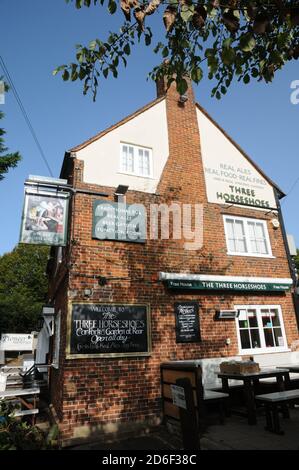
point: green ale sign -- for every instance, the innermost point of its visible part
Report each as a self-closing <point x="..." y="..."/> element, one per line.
<point x="228" y="285"/>
<point x="118" y="221"/>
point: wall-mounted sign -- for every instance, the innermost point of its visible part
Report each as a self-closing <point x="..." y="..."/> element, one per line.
<point x="187" y="322"/>
<point x="119" y="221"/>
<point x="228" y="285"/>
<point x="44" y="220"/>
<point x="16" y="342"/>
<point x="108" y="330"/>
<point x="229" y="175"/>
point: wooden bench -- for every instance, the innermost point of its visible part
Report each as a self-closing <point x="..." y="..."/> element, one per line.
<point x="170" y="373"/>
<point x="210" y="396"/>
<point x="272" y="402"/>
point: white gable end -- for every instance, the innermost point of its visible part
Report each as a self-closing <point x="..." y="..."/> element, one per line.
<point x="229" y="175"/>
<point x="102" y="158"/>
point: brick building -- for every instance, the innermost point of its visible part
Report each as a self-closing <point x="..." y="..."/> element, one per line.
<point x="169" y="152"/>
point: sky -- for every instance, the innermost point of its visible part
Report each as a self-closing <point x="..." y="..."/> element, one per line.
<point x="36" y="36"/>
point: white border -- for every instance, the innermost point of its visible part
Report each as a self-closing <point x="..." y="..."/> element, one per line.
<point x="263" y="349"/>
<point x="247" y="237"/>
<point x="135" y="158"/>
<point x="208" y="277"/>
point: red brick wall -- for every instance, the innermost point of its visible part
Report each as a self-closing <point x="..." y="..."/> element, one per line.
<point x="89" y="392"/>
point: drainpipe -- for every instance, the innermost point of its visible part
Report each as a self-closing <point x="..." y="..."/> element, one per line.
<point x="290" y="260"/>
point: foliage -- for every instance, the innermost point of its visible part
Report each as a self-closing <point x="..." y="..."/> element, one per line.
<point x="7" y="160"/>
<point x="18" y="435"/>
<point x="233" y="39"/>
<point x="23" y="287"/>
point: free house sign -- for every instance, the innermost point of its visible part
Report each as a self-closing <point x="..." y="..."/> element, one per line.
<point x="108" y="330"/>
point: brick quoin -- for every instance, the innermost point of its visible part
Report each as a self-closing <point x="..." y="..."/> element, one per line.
<point x="109" y="395"/>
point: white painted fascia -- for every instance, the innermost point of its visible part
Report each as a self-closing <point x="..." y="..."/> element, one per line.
<point x="208" y="277"/>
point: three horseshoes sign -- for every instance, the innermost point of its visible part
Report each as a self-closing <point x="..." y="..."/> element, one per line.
<point x="108" y="330"/>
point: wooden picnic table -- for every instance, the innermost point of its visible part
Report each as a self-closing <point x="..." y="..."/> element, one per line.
<point x="251" y="382"/>
<point x="292" y="368"/>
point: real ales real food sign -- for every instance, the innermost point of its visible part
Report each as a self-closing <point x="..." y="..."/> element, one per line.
<point x="119" y="221"/>
<point x="229" y="175"/>
<point x="109" y="330"/>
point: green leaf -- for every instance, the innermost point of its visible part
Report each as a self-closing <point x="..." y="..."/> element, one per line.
<point x="246" y="79"/>
<point x="228" y="55"/>
<point x="227" y="42"/>
<point x="58" y="69"/>
<point x="92" y="45"/>
<point x="196" y="74"/>
<point x="209" y="53"/>
<point x="187" y="12"/>
<point x="165" y="52"/>
<point x="82" y="73"/>
<point x="247" y="42"/>
<point x="181" y="86"/>
<point x="65" y="75"/>
<point x="112" y="7"/>
<point x="127" y="49"/>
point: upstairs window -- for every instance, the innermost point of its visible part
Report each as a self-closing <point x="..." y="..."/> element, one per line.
<point x="136" y="160"/>
<point x="247" y="237"/>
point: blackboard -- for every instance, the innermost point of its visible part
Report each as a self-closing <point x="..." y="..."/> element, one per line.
<point x="187" y="322"/>
<point x="109" y="329"/>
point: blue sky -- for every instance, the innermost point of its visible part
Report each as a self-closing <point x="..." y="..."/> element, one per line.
<point x="36" y="36"/>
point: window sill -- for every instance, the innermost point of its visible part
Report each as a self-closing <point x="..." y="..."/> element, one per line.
<point x="135" y="175"/>
<point x="256" y="352"/>
<point x="249" y="255"/>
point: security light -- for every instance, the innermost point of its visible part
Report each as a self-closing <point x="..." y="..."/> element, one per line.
<point x="121" y="190"/>
<point x="183" y="98"/>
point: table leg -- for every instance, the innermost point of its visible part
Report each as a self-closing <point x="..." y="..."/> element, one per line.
<point x="269" y="424"/>
<point x="250" y="401"/>
<point x="281" y="387"/>
<point x="287" y="381"/>
<point x="225" y="387"/>
<point x="276" y="424"/>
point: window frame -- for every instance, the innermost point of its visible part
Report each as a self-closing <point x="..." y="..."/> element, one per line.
<point x="245" y="221"/>
<point x="136" y="171"/>
<point x="263" y="349"/>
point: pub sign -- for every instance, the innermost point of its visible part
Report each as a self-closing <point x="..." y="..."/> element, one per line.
<point x="45" y="217"/>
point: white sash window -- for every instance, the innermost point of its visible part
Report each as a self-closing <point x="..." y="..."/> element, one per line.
<point x="247" y="237"/>
<point x="136" y="160"/>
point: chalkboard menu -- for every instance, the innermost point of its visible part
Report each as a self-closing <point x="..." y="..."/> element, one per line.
<point x="187" y="322"/>
<point x="109" y="330"/>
